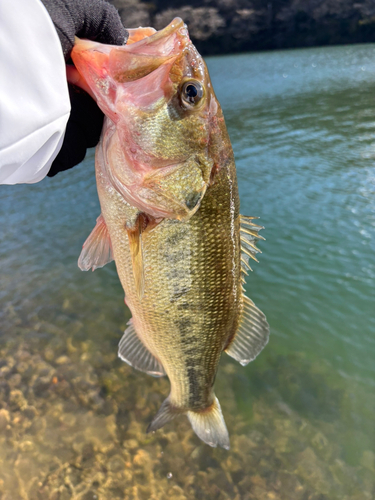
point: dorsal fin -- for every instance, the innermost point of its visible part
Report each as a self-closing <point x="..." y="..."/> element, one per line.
<point x="251" y="336"/>
<point x="249" y="235"/>
<point x="253" y="330"/>
<point x="132" y="350"/>
<point x="97" y="249"/>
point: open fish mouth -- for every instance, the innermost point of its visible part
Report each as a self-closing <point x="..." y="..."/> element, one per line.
<point x="149" y="53"/>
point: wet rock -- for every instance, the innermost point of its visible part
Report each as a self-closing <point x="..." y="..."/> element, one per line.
<point x="90" y="495"/>
<point x="29" y="412"/>
<point x="17" y="400"/>
<point x="109" y="407"/>
<point x="135" y="429"/>
<point x="26" y="469"/>
<point x="288" y="485"/>
<point x="4" y="419"/>
<point x="176" y="493"/>
<point x="87" y="458"/>
<point x="22" y="356"/>
<point x="5" y="371"/>
<point x="68" y="419"/>
<point x="62" y="360"/>
<point x="25" y="369"/>
<point x="38" y="426"/>
<point x="26" y="446"/>
<point x="73" y="476"/>
<point x="312" y="470"/>
<point x="130" y="444"/>
<point x="49" y="354"/>
<point x="142" y="459"/>
<point x="62" y="388"/>
<point x="4" y="390"/>
<point x="256" y="437"/>
<point x="116" y="464"/>
<point x="41" y="386"/>
<point x="15" y="380"/>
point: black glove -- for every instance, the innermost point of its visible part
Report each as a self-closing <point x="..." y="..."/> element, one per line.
<point x="96" y="20"/>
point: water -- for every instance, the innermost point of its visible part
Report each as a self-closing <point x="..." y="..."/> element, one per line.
<point x="302" y="125"/>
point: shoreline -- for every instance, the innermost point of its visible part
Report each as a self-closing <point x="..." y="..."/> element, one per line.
<point x="231" y="26"/>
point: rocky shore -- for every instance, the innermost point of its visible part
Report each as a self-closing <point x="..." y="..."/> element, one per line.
<point x="225" y="26"/>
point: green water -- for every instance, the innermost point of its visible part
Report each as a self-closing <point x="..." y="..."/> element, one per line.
<point x="301" y="416"/>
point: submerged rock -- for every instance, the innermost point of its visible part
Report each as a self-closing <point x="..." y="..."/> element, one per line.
<point x="72" y="429"/>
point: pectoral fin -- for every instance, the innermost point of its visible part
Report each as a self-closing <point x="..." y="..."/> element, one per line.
<point x="252" y="334"/>
<point x="135" y="244"/>
<point x="97" y="249"/>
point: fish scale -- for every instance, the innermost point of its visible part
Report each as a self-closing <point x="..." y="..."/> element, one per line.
<point x="170" y="219"/>
<point x="189" y="278"/>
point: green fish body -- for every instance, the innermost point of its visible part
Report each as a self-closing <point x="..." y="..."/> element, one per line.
<point x="181" y="259"/>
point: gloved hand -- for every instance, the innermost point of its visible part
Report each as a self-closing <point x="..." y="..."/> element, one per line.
<point x="96" y="20"/>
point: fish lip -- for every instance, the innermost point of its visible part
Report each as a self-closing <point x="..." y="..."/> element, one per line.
<point x="177" y="26"/>
<point x="84" y="43"/>
<point x="172" y="27"/>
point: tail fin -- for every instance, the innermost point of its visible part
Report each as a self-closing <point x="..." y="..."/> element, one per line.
<point x="209" y="425"/>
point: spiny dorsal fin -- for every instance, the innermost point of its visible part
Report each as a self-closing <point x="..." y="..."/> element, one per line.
<point x="132" y="350"/>
<point x="252" y="334"/>
<point x="135" y="244"/>
<point x="97" y="249"/>
<point x="249" y="235"/>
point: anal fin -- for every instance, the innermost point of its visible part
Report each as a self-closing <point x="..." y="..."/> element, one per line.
<point x="132" y="350"/>
<point x="97" y="249"/>
<point x="252" y="334"/>
<point x="165" y="414"/>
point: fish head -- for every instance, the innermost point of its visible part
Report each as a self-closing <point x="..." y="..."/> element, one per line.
<point x="157" y="94"/>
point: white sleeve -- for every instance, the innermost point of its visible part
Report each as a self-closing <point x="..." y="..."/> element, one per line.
<point x="34" y="98"/>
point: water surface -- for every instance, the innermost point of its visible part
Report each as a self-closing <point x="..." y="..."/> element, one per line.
<point x="72" y="417"/>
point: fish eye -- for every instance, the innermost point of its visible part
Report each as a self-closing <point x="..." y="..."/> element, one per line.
<point x="191" y="92"/>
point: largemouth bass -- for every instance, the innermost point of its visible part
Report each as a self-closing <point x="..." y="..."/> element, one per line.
<point x="170" y="219"/>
